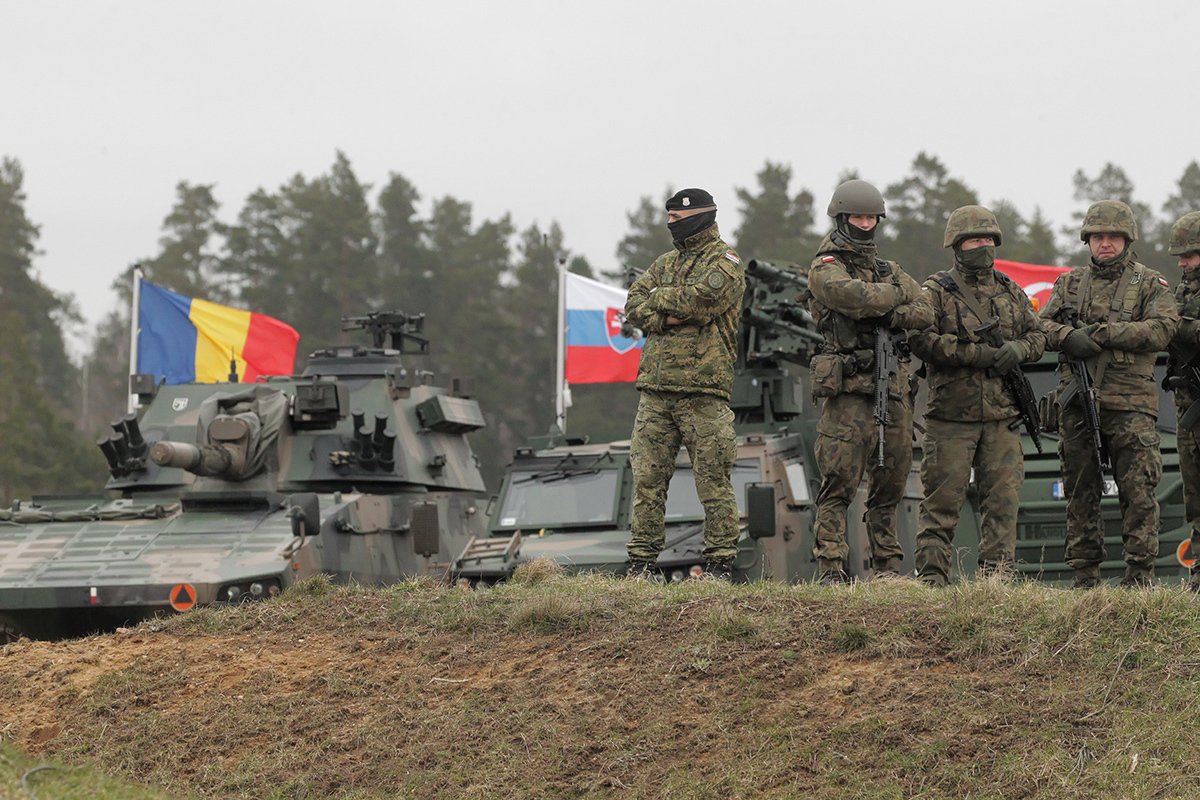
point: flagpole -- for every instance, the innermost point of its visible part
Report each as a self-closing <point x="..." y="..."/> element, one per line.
<point x="134" y="325"/>
<point x="560" y="412"/>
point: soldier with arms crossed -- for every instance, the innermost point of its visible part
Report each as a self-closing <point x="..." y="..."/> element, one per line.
<point x="984" y="327"/>
<point x="689" y="306"/>
<point x="1115" y="315"/>
<point x="854" y="295"/>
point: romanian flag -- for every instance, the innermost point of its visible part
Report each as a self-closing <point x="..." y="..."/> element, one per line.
<point x="1036" y="279"/>
<point x="185" y="340"/>
<point x="596" y="350"/>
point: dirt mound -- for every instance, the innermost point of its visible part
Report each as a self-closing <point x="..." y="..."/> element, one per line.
<point x="589" y="687"/>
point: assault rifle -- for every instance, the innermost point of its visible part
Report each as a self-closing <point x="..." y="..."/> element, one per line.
<point x="1185" y="373"/>
<point x="1085" y="391"/>
<point x="1017" y="386"/>
<point x="887" y="364"/>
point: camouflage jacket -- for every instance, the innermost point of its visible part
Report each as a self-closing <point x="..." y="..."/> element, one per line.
<point x="1186" y="342"/>
<point x="958" y="391"/>
<point x="701" y="283"/>
<point x="1145" y="320"/>
<point x="851" y="290"/>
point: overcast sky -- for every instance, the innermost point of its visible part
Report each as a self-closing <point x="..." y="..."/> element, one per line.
<point x="571" y="111"/>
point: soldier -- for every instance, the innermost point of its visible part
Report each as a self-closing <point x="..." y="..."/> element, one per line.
<point x="688" y="304"/>
<point x="855" y="294"/>
<point x="1185" y="347"/>
<point x="984" y="327"/>
<point x="1115" y="314"/>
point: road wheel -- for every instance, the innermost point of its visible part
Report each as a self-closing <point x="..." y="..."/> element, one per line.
<point x="9" y="632"/>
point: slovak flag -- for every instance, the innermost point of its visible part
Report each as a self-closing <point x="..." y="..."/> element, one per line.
<point x="1036" y="279"/>
<point x="596" y="351"/>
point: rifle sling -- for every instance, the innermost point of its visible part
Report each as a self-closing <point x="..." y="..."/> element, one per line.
<point x="969" y="297"/>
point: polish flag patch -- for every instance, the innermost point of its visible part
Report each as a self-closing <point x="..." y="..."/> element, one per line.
<point x="732" y="256"/>
<point x="827" y="259"/>
<point x="1163" y="281"/>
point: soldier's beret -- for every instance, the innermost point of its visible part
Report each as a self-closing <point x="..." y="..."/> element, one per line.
<point x="686" y="199"/>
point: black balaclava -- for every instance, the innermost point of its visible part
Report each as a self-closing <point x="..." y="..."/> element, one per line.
<point x="976" y="261"/>
<point x="683" y="229"/>
<point x="686" y="200"/>
<point x="853" y="232"/>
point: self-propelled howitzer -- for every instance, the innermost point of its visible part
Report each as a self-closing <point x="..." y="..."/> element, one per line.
<point x="358" y="468"/>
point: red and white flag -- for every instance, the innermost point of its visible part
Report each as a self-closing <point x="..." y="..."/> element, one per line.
<point x="1036" y="279"/>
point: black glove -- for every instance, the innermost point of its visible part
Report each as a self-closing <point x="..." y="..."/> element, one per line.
<point x="1008" y="356"/>
<point x="1079" y="345"/>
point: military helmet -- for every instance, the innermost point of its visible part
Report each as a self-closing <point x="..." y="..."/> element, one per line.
<point x="1109" y="216"/>
<point x="1185" y="235"/>
<point x="856" y="197"/>
<point x="969" y="222"/>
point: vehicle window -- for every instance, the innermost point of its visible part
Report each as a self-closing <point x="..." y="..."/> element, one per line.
<point x="552" y="498"/>
<point x="683" y="503"/>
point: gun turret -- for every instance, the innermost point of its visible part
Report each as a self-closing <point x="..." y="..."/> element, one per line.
<point x="776" y="277"/>
<point x="404" y="330"/>
<point x="224" y="457"/>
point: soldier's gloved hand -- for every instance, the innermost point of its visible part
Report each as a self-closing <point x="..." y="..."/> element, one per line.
<point x="985" y="356"/>
<point x="1008" y="356"/>
<point x="888" y="320"/>
<point x="1079" y="345"/>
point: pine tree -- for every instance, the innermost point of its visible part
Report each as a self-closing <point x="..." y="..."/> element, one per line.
<point x="776" y="226"/>
<point x="917" y="209"/>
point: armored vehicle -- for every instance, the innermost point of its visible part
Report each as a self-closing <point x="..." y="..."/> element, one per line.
<point x="571" y="501"/>
<point x="358" y="468"/>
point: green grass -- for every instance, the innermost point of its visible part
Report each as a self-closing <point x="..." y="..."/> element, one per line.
<point x="554" y="686"/>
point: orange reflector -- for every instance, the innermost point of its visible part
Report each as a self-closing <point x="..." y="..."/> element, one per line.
<point x="183" y="596"/>
<point x="1184" y="554"/>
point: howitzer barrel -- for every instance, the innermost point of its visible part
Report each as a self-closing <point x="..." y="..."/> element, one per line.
<point x="752" y="316"/>
<point x="204" y="460"/>
<point x="767" y="271"/>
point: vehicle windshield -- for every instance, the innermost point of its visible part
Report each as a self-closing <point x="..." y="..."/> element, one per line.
<point x="684" y="504"/>
<point x="549" y="498"/>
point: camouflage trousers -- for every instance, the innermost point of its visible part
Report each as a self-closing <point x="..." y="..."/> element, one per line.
<point x="1189" y="471"/>
<point x="1133" y="443"/>
<point x="847" y="446"/>
<point x="704" y="425"/>
<point x="951" y="449"/>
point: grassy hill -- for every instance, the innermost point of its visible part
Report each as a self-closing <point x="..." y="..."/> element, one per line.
<point x="591" y="687"/>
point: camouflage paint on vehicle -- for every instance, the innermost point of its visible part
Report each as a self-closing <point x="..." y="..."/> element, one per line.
<point x="366" y="475"/>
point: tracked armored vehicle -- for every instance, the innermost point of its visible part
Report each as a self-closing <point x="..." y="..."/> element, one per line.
<point x="571" y="501"/>
<point x="359" y="468"/>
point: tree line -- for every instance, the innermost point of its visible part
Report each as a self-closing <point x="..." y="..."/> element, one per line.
<point x="317" y="248"/>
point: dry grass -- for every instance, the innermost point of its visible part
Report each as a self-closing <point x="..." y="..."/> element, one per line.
<point x="557" y="686"/>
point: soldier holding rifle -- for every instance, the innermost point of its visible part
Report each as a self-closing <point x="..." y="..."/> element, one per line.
<point x="984" y="329"/>
<point x="1113" y="315"/>
<point x="1184" y="372"/>
<point x="860" y="303"/>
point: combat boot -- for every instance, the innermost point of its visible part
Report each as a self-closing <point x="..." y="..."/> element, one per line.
<point x="1136" y="578"/>
<point x="719" y="570"/>
<point x="1088" y="578"/>
<point x="831" y="572"/>
<point x="640" y="569"/>
<point x="996" y="569"/>
<point x="888" y="569"/>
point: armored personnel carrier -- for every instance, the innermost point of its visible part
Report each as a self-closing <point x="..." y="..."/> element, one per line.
<point x="571" y="501"/>
<point x="358" y="468"/>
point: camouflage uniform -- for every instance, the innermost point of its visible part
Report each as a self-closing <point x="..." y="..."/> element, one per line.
<point x="1185" y="240"/>
<point x="685" y="378"/>
<point x="970" y="418"/>
<point x="852" y="293"/>
<point x="1143" y="318"/>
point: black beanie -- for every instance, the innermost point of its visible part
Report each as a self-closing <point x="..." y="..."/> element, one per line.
<point x="687" y="199"/>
